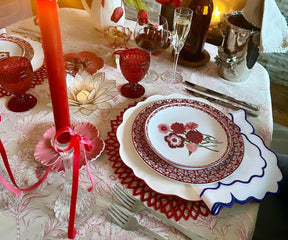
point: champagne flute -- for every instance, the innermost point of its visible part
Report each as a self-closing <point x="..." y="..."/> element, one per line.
<point x="181" y="26"/>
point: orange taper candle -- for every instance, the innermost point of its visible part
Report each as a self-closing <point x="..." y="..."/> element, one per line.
<point x="47" y="13"/>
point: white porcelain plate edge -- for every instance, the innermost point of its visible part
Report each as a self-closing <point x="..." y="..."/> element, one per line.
<point x="38" y="56"/>
<point x="17" y="47"/>
<point x="13" y="48"/>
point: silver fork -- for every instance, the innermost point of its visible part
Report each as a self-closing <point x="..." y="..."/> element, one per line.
<point x="129" y="222"/>
<point x="134" y="205"/>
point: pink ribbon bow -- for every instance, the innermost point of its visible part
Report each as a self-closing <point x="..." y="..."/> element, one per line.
<point x="76" y="141"/>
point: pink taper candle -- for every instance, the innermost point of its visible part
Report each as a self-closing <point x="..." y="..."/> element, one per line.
<point x="52" y="44"/>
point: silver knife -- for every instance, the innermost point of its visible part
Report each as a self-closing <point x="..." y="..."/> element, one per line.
<point x="210" y="91"/>
<point x="221" y="102"/>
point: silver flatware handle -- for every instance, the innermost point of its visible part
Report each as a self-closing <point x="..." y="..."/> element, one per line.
<point x="221" y="102"/>
<point x="147" y="231"/>
<point x="227" y="97"/>
<point x="185" y="231"/>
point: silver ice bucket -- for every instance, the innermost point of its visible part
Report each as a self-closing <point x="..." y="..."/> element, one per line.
<point x="239" y="50"/>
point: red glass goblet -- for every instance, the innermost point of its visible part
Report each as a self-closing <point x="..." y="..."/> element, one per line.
<point x="134" y="64"/>
<point x="16" y="77"/>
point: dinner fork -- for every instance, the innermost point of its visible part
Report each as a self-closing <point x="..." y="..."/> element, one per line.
<point x="129" y="222"/>
<point x="134" y="205"/>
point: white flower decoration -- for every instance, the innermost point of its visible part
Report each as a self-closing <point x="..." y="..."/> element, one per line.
<point x="87" y="92"/>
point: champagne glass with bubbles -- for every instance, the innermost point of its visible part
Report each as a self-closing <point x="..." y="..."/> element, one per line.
<point x="181" y="26"/>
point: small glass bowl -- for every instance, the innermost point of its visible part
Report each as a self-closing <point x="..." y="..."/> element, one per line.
<point x="117" y="36"/>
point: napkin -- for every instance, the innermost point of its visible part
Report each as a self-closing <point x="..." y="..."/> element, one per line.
<point x="266" y="15"/>
<point x="257" y="175"/>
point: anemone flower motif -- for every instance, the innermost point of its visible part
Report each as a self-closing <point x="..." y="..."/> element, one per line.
<point x="178" y="135"/>
<point x="87" y="93"/>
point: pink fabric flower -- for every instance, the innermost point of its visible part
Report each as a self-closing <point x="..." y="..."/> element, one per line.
<point x="46" y="154"/>
<point x="117" y="14"/>
<point x="163" y="128"/>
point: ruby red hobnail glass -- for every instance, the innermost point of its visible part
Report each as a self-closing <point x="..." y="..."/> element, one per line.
<point x="134" y="65"/>
<point x="16" y="75"/>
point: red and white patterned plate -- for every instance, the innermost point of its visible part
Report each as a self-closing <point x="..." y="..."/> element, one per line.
<point x="34" y="52"/>
<point x="130" y="157"/>
<point x="188" y="135"/>
<point x="16" y="47"/>
<point x="196" y="176"/>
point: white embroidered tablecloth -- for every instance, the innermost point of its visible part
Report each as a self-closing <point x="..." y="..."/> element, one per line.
<point x="33" y="216"/>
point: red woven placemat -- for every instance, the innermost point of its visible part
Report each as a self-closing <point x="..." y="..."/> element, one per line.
<point x="38" y="77"/>
<point x="171" y="206"/>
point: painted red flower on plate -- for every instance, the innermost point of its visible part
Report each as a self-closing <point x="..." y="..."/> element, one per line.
<point x="85" y="60"/>
<point x="179" y="135"/>
<point x="46" y="155"/>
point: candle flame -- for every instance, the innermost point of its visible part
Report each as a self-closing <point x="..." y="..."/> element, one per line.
<point x="216" y="15"/>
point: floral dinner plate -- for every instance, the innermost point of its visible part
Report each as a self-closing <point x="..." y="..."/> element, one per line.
<point x="132" y="159"/>
<point x="209" y="174"/>
<point x="188" y="135"/>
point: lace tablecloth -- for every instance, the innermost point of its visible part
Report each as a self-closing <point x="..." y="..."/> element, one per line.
<point x="32" y="217"/>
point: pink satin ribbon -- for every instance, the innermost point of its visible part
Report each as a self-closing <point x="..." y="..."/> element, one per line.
<point x="76" y="142"/>
<point x="17" y="190"/>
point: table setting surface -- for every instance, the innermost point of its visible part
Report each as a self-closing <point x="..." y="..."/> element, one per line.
<point x="222" y="206"/>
